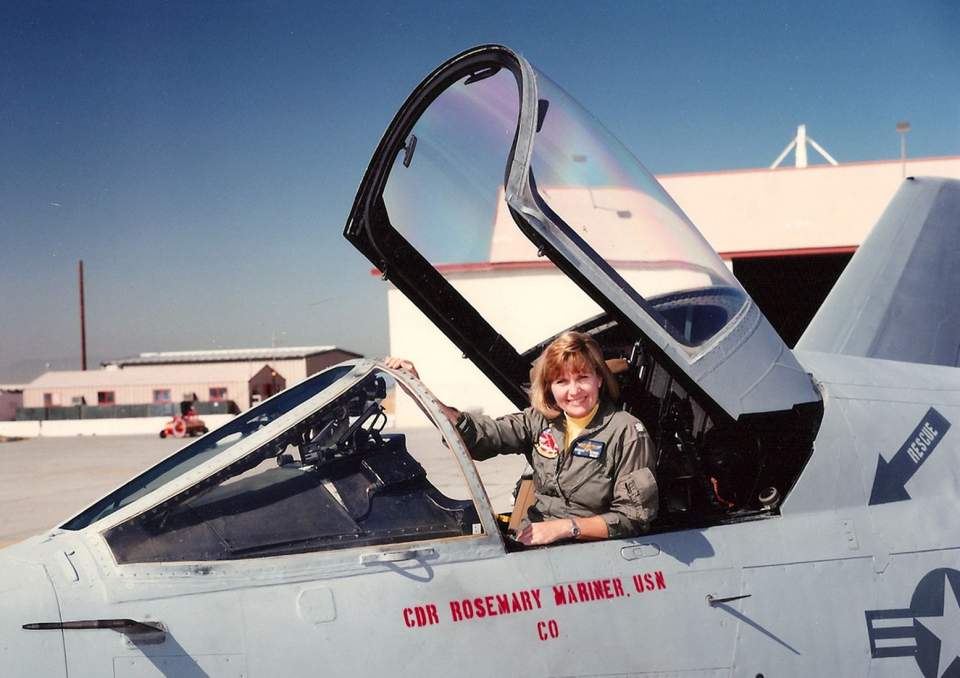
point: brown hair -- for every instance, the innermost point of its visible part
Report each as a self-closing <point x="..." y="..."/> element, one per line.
<point x="571" y="350"/>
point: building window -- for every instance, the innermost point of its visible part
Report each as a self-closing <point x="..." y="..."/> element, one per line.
<point x="105" y="398"/>
<point x="48" y="400"/>
<point x="161" y="395"/>
<point x="218" y="393"/>
<point x="78" y="400"/>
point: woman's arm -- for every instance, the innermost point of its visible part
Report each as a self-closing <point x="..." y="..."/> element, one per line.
<point x="546" y="532"/>
<point x="635" y="496"/>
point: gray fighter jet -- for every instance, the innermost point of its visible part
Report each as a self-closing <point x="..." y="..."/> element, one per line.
<point x="807" y="520"/>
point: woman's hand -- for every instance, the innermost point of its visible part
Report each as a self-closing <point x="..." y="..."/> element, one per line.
<point x="547" y="532"/>
<point x="401" y="364"/>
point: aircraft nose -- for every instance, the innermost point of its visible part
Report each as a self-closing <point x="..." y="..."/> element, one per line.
<point x="27" y="596"/>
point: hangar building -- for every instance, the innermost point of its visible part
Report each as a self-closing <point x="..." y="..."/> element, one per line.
<point x="786" y="233"/>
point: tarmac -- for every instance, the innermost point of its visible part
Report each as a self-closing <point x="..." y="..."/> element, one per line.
<point x="45" y="481"/>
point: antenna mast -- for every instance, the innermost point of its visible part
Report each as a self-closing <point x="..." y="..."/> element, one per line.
<point x="800" y="144"/>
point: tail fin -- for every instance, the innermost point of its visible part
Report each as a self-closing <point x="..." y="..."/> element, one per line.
<point x="899" y="297"/>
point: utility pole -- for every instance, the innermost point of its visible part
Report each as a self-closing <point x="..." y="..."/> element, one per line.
<point x="83" y="323"/>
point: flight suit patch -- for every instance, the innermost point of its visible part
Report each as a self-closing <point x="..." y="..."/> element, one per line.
<point x="591" y="449"/>
<point x="547" y="445"/>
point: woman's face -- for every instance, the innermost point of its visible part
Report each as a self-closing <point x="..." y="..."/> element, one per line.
<point x="576" y="391"/>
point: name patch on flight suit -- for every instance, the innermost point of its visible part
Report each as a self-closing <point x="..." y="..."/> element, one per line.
<point x="592" y="449"/>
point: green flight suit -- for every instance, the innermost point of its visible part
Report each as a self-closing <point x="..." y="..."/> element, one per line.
<point x="607" y="471"/>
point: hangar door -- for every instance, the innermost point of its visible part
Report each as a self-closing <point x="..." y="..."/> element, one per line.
<point x="790" y="288"/>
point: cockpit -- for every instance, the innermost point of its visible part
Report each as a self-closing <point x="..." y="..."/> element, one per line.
<point x="325" y="474"/>
<point x="325" y="467"/>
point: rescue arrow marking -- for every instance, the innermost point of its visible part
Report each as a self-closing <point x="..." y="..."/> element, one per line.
<point x="892" y="476"/>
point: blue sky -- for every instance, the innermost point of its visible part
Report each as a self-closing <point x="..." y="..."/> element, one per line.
<point x="201" y="158"/>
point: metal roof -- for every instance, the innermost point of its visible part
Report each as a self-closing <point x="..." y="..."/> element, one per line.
<point x="115" y="378"/>
<point x="225" y="355"/>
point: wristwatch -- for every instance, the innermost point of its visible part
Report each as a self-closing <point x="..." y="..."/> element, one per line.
<point x="574" y="529"/>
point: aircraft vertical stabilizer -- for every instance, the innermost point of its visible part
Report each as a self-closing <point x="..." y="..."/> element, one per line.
<point x="897" y="298"/>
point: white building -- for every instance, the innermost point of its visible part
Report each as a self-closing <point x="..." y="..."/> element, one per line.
<point x="786" y="233"/>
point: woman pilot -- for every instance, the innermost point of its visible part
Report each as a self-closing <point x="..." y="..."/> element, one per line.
<point x="592" y="463"/>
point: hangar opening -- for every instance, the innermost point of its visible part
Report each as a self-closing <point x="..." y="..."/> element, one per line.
<point x="790" y="288"/>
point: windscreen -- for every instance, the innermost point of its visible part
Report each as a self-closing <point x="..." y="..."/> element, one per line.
<point x="615" y="206"/>
<point x="209" y="446"/>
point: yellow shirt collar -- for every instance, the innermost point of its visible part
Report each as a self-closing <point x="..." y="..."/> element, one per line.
<point x="576" y="425"/>
<point x="581" y="422"/>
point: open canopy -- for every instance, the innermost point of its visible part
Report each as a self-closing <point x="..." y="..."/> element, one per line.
<point x="490" y="161"/>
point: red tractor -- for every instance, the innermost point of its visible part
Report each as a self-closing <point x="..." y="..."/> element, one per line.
<point x="187" y="423"/>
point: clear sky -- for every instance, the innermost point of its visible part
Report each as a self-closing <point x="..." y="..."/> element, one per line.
<point x="201" y="157"/>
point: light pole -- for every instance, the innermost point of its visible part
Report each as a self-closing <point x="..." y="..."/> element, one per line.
<point x="903" y="127"/>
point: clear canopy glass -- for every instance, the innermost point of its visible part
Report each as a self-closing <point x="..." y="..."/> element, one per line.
<point x="446" y="198"/>
<point x="444" y="186"/>
<point x="610" y="201"/>
<point x="445" y="195"/>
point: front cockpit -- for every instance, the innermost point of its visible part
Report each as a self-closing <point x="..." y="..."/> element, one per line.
<point x="321" y="470"/>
